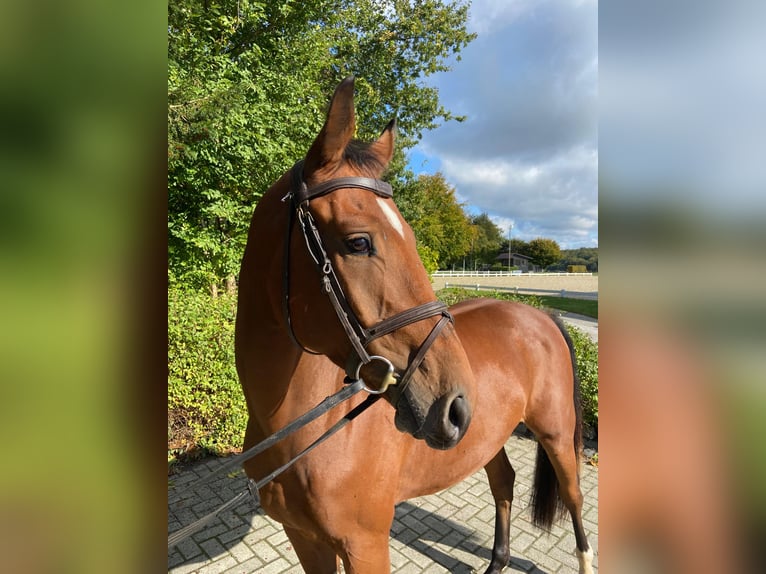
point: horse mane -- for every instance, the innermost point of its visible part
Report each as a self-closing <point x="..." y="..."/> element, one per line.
<point x="359" y="154"/>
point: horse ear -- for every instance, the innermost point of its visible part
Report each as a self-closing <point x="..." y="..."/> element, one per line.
<point x="338" y="129"/>
<point x="383" y="147"/>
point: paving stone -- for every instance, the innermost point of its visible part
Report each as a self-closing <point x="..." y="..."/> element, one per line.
<point x="439" y="524"/>
<point x="241" y="553"/>
<point x="396" y="527"/>
<point x="410" y="568"/>
<point x="247" y="567"/>
<point x="407" y="535"/>
<point x="265" y="551"/>
<point x="212" y="548"/>
<point x="433" y="568"/>
<point x="174" y="559"/>
<point x="398" y="560"/>
<point x="545" y="562"/>
<point x="221" y="565"/>
<point x="210" y="532"/>
<point x="564" y="555"/>
<point x="286" y="551"/>
<point x="451" y="531"/>
<point x="416" y="556"/>
<point x="414" y="524"/>
<point x="279" y="537"/>
<point x="232" y="534"/>
<point x="231" y="519"/>
<point x="279" y="566"/>
<point x="190" y="568"/>
<point x="453" y="539"/>
<point x="189" y="549"/>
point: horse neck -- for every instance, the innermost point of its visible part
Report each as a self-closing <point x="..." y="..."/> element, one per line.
<point x="261" y="270"/>
<point x="264" y="349"/>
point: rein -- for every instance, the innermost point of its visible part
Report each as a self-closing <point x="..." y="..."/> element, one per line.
<point x="359" y="337"/>
<point x="253" y="486"/>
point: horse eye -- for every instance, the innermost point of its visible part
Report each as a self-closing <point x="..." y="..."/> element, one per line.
<point x="358" y="245"/>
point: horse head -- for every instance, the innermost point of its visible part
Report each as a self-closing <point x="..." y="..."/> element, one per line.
<point x="395" y="335"/>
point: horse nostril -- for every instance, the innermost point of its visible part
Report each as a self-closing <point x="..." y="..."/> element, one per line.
<point x="459" y="413"/>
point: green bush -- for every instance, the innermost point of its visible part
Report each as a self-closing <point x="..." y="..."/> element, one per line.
<point x="429" y="257"/>
<point x="454" y="295"/>
<point x="206" y="407"/>
<point x="577" y="269"/>
<point x="587" y="370"/>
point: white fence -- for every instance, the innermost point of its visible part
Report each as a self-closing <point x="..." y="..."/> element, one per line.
<point x="500" y="274"/>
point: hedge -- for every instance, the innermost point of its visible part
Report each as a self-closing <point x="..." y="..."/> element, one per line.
<point x="206" y="407"/>
<point x="587" y="371"/>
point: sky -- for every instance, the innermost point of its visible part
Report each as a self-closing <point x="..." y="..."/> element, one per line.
<point x="528" y="153"/>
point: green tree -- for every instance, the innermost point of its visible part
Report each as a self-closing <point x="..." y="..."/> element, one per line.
<point x="487" y="239"/>
<point x="587" y="256"/>
<point x="544" y="252"/>
<point x="520" y="246"/>
<point x="429" y="205"/>
<point x="248" y="82"/>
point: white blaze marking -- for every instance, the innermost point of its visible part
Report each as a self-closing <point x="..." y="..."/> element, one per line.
<point x="391" y="215"/>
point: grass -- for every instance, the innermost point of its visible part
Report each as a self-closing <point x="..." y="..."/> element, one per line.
<point x="580" y="306"/>
<point x="585" y="307"/>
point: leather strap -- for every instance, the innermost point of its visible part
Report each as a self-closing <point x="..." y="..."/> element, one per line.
<point x="302" y="193"/>
<point x="421" y="354"/>
<point x="405" y="318"/>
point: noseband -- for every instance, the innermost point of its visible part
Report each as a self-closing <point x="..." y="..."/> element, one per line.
<point x="359" y="336"/>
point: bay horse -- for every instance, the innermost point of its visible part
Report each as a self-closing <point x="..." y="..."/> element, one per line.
<point x="343" y="294"/>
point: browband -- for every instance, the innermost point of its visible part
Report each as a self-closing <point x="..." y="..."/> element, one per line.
<point x="301" y="192"/>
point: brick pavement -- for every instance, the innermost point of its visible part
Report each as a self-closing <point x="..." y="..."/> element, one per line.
<point x="451" y="531"/>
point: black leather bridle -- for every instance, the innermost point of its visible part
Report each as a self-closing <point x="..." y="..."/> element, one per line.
<point x="358" y="335"/>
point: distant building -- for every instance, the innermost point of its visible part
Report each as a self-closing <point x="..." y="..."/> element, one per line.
<point x="521" y="262"/>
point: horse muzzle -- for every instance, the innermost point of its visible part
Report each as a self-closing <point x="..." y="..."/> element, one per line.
<point x="441" y="425"/>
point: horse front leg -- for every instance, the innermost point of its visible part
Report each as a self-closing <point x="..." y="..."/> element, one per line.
<point x="316" y="557"/>
<point x="501" y="478"/>
<point x="367" y="553"/>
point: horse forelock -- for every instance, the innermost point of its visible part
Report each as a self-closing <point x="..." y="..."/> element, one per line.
<point x="361" y="156"/>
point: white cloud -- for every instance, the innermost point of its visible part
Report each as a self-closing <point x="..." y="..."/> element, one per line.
<point x="555" y="197"/>
<point x="527" y="151"/>
<point x="494" y="173"/>
<point x="490" y="16"/>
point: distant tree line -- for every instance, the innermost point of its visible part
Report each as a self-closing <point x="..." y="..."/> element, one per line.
<point x="448" y="237"/>
<point x="476" y="242"/>
<point x="586" y="256"/>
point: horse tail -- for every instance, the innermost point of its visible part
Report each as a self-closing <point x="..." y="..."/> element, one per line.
<point x="546" y="502"/>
